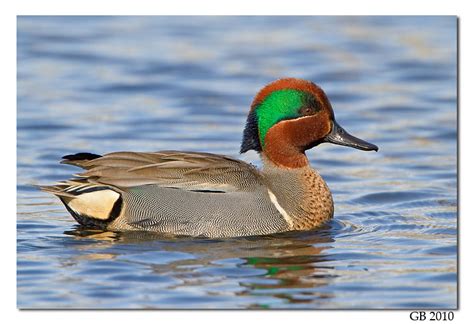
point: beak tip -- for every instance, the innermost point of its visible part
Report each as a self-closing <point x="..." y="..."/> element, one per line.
<point x="373" y="148"/>
<point x="340" y="137"/>
<point x="368" y="147"/>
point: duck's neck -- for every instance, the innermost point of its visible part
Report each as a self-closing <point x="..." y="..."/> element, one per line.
<point x="301" y="192"/>
<point x="283" y="154"/>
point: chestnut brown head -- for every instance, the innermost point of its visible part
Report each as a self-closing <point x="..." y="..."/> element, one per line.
<point x="289" y="116"/>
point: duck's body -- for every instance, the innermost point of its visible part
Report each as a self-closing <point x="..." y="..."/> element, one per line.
<point x="189" y="193"/>
<point x="202" y="194"/>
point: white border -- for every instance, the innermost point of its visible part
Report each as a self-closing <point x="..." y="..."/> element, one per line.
<point x="242" y="7"/>
<point x="141" y="7"/>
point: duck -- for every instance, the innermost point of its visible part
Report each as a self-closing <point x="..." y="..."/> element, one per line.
<point x="183" y="193"/>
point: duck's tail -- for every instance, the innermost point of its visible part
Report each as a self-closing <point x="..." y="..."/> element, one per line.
<point x="91" y="204"/>
<point x="79" y="159"/>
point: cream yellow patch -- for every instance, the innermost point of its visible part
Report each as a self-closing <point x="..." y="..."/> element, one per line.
<point x="96" y="204"/>
<point x="280" y="209"/>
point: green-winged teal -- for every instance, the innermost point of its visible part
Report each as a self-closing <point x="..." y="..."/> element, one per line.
<point x="203" y="194"/>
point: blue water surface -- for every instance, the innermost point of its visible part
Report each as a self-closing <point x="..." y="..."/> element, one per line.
<point x="103" y="84"/>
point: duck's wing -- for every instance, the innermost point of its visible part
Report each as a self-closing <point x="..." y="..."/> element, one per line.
<point x="191" y="171"/>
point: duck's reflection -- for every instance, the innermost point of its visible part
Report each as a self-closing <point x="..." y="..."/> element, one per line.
<point x="292" y="265"/>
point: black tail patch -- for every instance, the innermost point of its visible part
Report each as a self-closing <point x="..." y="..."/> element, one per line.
<point x="81" y="156"/>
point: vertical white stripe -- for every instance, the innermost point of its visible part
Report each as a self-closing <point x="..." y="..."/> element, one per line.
<point x="280" y="209"/>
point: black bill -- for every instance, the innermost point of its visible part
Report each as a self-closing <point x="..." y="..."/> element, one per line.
<point x="339" y="136"/>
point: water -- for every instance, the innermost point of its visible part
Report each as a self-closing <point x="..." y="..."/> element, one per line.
<point x="103" y="84"/>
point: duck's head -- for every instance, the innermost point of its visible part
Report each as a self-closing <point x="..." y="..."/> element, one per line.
<point x="288" y="117"/>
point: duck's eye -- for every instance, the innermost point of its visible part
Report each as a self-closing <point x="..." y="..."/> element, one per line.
<point x="306" y="111"/>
